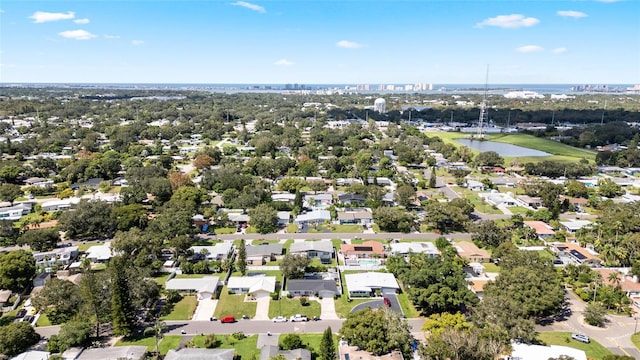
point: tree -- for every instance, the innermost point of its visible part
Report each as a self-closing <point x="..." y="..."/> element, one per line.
<point x="40" y="239"/>
<point x="393" y="219"/>
<point x="489" y="158"/>
<point x="95" y="294"/>
<point x="156" y="331"/>
<point x="91" y="219"/>
<point x="291" y="184"/>
<point x="489" y="234"/>
<point x="191" y="193"/>
<point x="17" y="337"/>
<point x="465" y="344"/>
<point x="122" y="310"/>
<point x="445" y="217"/>
<point x="377" y="331"/>
<point x="73" y="333"/>
<point x="293" y="265"/>
<point x="17" y="269"/>
<point x="327" y="348"/>
<point x="264" y="218"/>
<point x="203" y="161"/>
<point x="59" y="299"/>
<point x="405" y="194"/>
<point x="609" y="189"/>
<point x="129" y="216"/>
<point x="241" y="262"/>
<point x="437" y="323"/>
<point x="291" y="342"/>
<point x="10" y="192"/>
<point x="577" y="189"/>
<point x="594" y="314"/>
<point x="432" y="178"/>
<point x="138" y="247"/>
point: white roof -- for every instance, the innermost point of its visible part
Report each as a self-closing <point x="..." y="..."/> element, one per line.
<point x="253" y="283"/>
<point x="575" y="224"/>
<point x="222" y="248"/>
<point x="114" y="353"/>
<point x="536" y="352"/>
<point x="320" y="245"/>
<point x="314" y="215"/>
<point x="414" y="247"/>
<point x="370" y="280"/>
<point x="32" y="355"/>
<point x="99" y="252"/>
<point x="63" y="202"/>
<point x="203" y="284"/>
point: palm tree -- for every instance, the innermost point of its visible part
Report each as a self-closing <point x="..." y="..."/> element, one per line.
<point x="156" y="330"/>
<point x="614" y="279"/>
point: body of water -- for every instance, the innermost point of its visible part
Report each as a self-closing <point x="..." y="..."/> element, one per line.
<point x="503" y="149"/>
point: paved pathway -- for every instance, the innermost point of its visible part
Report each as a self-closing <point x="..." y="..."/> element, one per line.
<point x="327" y="309"/>
<point x="262" y="308"/>
<point x="205" y="309"/>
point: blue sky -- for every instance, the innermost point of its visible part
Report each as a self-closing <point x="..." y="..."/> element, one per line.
<point x="321" y="42"/>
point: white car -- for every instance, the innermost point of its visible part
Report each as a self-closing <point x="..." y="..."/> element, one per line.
<point x="580" y="337"/>
<point x="279" y="319"/>
<point x="298" y="317"/>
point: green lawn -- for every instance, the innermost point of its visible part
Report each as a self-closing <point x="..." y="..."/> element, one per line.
<point x="292" y="228"/>
<point x="245" y="348"/>
<point x="161" y="278"/>
<point x="190" y="276"/>
<point x="552" y="147"/>
<point x="183" y="309"/>
<point x="313" y="341"/>
<point x="343" y="306"/>
<point x="287" y="307"/>
<point x="225" y="230"/>
<point x="491" y="267"/>
<point x="43" y="320"/>
<point x="593" y="350"/>
<point x="234" y="305"/>
<point x="167" y="343"/>
<point x="407" y="306"/>
<point x="635" y="339"/>
<point x="346" y="228"/>
<point x="519" y="210"/>
<point x="276" y="273"/>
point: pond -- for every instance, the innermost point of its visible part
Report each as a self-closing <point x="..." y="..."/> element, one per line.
<point x="503" y="149"/>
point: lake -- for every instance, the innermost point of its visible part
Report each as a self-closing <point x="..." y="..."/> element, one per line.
<point x="503" y="149"/>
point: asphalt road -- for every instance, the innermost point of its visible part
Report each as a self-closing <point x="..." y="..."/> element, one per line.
<point x="383" y="236"/>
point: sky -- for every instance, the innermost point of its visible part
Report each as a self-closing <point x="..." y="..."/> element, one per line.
<point x="321" y="42"/>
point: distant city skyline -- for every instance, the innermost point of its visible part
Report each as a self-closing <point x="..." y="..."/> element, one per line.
<point x="320" y="42"/>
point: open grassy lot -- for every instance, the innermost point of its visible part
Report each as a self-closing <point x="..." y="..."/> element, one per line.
<point x="245" y="348"/>
<point x="225" y="230"/>
<point x="183" y="309"/>
<point x="43" y="320"/>
<point x="635" y="339"/>
<point x="546" y="145"/>
<point x="167" y="343"/>
<point x="276" y="273"/>
<point x="593" y="350"/>
<point x="344" y="306"/>
<point x="287" y="307"/>
<point x="407" y="306"/>
<point x="161" y="278"/>
<point x="313" y="342"/>
<point x="346" y="228"/>
<point x="491" y="267"/>
<point x="477" y="202"/>
<point x="234" y="305"/>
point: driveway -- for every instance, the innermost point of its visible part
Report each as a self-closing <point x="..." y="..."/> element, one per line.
<point x="328" y="309"/>
<point x="379" y="303"/>
<point x="262" y="308"/>
<point x="205" y="309"/>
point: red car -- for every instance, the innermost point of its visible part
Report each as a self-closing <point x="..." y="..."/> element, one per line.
<point x="386" y="302"/>
<point x="228" y="319"/>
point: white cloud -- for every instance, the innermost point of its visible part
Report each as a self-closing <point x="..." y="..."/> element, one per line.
<point x="137" y="42"/>
<point x="512" y="21"/>
<point x="348" y="44"/>
<point x="43" y="16"/>
<point x="572" y="13"/>
<point x="81" y="21"/>
<point x="560" y="50"/>
<point x="529" y="49"/>
<point x="250" y="6"/>
<point x="77" y="34"/>
<point x="112" y="36"/>
<point x="284" y="62"/>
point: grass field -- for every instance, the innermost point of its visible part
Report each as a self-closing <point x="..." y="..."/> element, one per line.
<point x="183" y="309"/>
<point x="491" y="267"/>
<point x="167" y="343"/>
<point x="287" y="307"/>
<point x="43" y="320"/>
<point x="343" y="306"/>
<point x="245" y="348"/>
<point x="593" y="350"/>
<point x="407" y="306"/>
<point x="635" y="339"/>
<point x="234" y="305"/>
<point x="346" y="228"/>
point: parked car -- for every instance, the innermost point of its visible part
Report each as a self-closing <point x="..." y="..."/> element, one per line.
<point x="28" y="318"/>
<point x="581" y="338"/>
<point x="279" y="319"/>
<point x="298" y="317"/>
<point x="227" y="319"/>
<point x="386" y="301"/>
<point x="21" y="313"/>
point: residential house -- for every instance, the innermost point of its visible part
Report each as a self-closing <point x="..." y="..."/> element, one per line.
<point x="257" y="285"/>
<point x="38" y="181"/>
<point x="270" y="351"/>
<point x="200" y="354"/>
<point x="355" y="216"/>
<point x="58" y="256"/>
<point x="131" y="352"/>
<point x="15" y="212"/>
<point x="62" y="204"/>
<point x="475" y="185"/>
<point x="347" y="181"/>
<point x="263" y="253"/>
<point x="529" y="201"/>
<point x="204" y="287"/>
<point x="91" y="183"/>
<point x="283" y="197"/>
<point x="572" y="226"/>
<point x="576" y="254"/>
<point x="578" y="203"/>
<point x="312" y="287"/>
<point x="346" y="352"/>
<point x="32" y="355"/>
<point x="477" y="286"/>
<point x="471" y="252"/>
<point x="284" y="218"/>
<point x="628" y="284"/>
<point x="5" y="295"/>
<point x="371" y="284"/>
<point x="406" y="248"/>
<point x="367" y="250"/>
<point x="521" y="351"/>
<point x="351" y="199"/>
<point x="543" y="230"/>
<point x="41" y="279"/>
<point x="99" y="253"/>
<point x="313" y="217"/>
<point x="217" y="252"/>
<point x="318" y="201"/>
<point x="495" y="198"/>
<point x="322" y="249"/>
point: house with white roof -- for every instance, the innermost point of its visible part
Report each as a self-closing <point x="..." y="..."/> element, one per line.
<point x="318" y="201"/>
<point x="574" y="225"/>
<point x="498" y="199"/>
<point x="62" y="204"/>
<point x="57" y="256"/>
<point x="313" y="217"/>
<point x="257" y="285"/>
<point x="204" y="287"/>
<point x="536" y="352"/>
<point x="15" y="212"/>
<point x="369" y="283"/>
<point x="99" y="253"/>
<point x="406" y="248"/>
<point x="217" y="252"/>
<point x="321" y="249"/>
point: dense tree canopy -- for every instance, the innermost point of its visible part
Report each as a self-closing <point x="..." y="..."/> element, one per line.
<point x="377" y="331"/>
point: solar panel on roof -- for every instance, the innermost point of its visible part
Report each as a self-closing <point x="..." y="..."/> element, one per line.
<point x="577" y="254"/>
<point x="362" y="248"/>
<point x="562" y="248"/>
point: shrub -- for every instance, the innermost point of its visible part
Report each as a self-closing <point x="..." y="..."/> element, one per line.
<point x="304" y="301"/>
<point x="210" y="341"/>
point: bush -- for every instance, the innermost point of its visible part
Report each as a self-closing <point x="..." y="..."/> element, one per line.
<point x="238" y="335"/>
<point x="304" y="301"/>
<point x="210" y="341"/>
<point x="594" y="314"/>
<point x="173" y="296"/>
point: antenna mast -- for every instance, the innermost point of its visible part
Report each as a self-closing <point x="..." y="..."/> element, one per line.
<point x="483" y="107"/>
